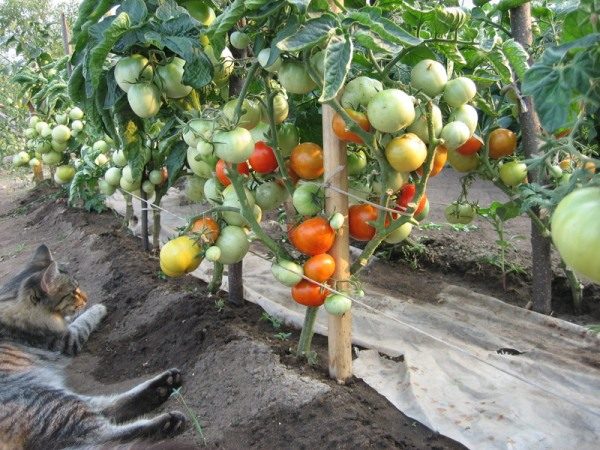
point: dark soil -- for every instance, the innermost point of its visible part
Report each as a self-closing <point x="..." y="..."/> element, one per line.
<point x="243" y="383"/>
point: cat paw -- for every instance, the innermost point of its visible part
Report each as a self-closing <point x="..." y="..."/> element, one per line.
<point x="160" y="388"/>
<point x="172" y="424"/>
<point x="100" y="310"/>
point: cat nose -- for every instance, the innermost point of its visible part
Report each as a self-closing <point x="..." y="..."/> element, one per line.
<point x="80" y="298"/>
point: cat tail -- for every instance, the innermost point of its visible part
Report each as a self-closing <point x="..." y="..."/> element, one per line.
<point x="140" y="445"/>
<point x="80" y="329"/>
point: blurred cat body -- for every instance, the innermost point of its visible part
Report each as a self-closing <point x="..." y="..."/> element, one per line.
<point x="37" y="410"/>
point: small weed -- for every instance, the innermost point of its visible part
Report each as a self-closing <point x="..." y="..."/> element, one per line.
<point x="220" y="304"/>
<point x="506" y="266"/>
<point x="312" y="358"/>
<point x="431" y="226"/>
<point x="594" y="328"/>
<point x="193" y="417"/>
<point x="161" y="275"/>
<point x="274" y="321"/>
<point x="462" y="227"/>
<point x="282" y="336"/>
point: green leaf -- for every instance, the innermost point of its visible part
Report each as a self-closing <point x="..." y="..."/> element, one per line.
<point x="198" y="70"/>
<point x="228" y="18"/>
<point x="373" y="42"/>
<point x="517" y="57"/>
<point x="500" y="63"/>
<point x="98" y="54"/>
<point x="135" y="9"/>
<point x="338" y="58"/>
<point x="113" y="92"/>
<point x="90" y="11"/>
<point x="452" y="52"/>
<point x="175" y="162"/>
<point x="76" y="86"/>
<point x="310" y="34"/>
<point x="300" y="4"/>
<point x="169" y="10"/>
<point x="386" y="29"/>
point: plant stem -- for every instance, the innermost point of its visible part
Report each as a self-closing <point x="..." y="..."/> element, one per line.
<point x="156" y="230"/>
<point x="308" y="330"/>
<point x="128" y="210"/>
<point x="217" y="278"/>
<point x="576" y="288"/>
<point x="244" y="91"/>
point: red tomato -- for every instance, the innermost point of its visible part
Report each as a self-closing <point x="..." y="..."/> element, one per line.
<point x="313" y="236"/>
<point x="439" y="161"/>
<point x="309" y="294"/>
<point x="407" y="193"/>
<point x="208" y="229"/>
<point x="220" y="170"/>
<point x="472" y="146"/>
<point x="341" y="131"/>
<point x="319" y="267"/>
<point x="359" y="217"/>
<point x="263" y="158"/>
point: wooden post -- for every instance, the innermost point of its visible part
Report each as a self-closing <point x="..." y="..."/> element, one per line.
<point x="66" y="40"/>
<point x="541" y="264"/>
<point x="144" y="218"/>
<point x="336" y="173"/>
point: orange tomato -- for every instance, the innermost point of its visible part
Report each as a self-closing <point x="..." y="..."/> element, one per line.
<point x="306" y="160"/>
<point x="312" y="236"/>
<point x="341" y="131"/>
<point x="309" y="294"/>
<point x="472" y="146"/>
<point x="207" y="228"/>
<point x="501" y="142"/>
<point x="319" y="267"/>
<point x="359" y="217"/>
<point x="439" y="161"/>
<point x="220" y="171"/>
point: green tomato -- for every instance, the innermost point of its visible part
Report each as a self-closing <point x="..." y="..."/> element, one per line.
<point x="337" y="305"/>
<point x="294" y="78"/>
<point x="357" y="162"/>
<point x="287" y="272"/>
<point x="33" y="121"/>
<point x="223" y="66"/>
<point x="155" y="177"/>
<point x="61" y="119"/>
<point x="269" y="195"/>
<point x="260" y="132"/>
<point x="194" y="188"/>
<point x="420" y="126"/>
<point x="399" y="234"/>
<point x="429" y="76"/>
<point x="308" y="198"/>
<point x="106" y="188"/>
<point x="113" y="176"/>
<point x="34" y="162"/>
<point x="61" y="133"/>
<point x="212" y="191"/>
<point x="197" y="130"/>
<point x="43" y="147"/>
<point x="119" y="158"/>
<point x="128" y="71"/>
<point x="30" y="133"/>
<point x="455" y="134"/>
<point x="204" y="148"/>
<point x="76" y="126"/>
<point x="462" y="213"/>
<point x="213" y="253"/>
<point x="230" y="199"/>
<point x="200" y="11"/>
<point x="169" y="79"/>
<point x="128" y="185"/>
<point x="58" y="146"/>
<point x="100" y="146"/>
<point x="21" y="159"/>
<point x="459" y="91"/>
<point x="513" y="173"/>
<point x="337" y="221"/>
<point x="101" y="160"/>
<point x="359" y="92"/>
<point x="200" y="167"/>
<point x="556" y="171"/>
<point x="52" y="158"/>
<point x="575" y="231"/>
<point x="281" y="108"/>
<point x="64" y="174"/>
<point x="127" y="174"/>
<point x="144" y="99"/>
<point x="233" y="244"/>
<point x="148" y="187"/>
<point x="467" y="115"/>
<point x="263" y="60"/>
<point x="250" y="113"/>
<point x="233" y="146"/>
<point x="287" y="138"/>
<point x="391" y="110"/>
<point x="239" y="40"/>
<point x="76" y="113"/>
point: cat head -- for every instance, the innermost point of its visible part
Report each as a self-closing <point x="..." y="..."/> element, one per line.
<point x="50" y="287"/>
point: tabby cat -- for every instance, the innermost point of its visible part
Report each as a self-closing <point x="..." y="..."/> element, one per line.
<point x="37" y="410"/>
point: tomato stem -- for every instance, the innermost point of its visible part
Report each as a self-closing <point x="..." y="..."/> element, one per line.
<point x="308" y="330"/>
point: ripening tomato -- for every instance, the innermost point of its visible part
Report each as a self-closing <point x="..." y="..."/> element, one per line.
<point x="309" y="294"/>
<point x="360" y="218"/>
<point x="341" y="130"/>
<point x="313" y="236"/>
<point x="406" y="153"/>
<point x="319" y="268"/>
<point x="462" y="163"/>
<point x="501" y="142"/>
<point x="472" y="146"/>
<point x="207" y="228"/>
<point x="439" y="161"/>
<point x="242" y="168"/>
<point x="307" y="160"/>
<point x="263" y="158"/>
<point x="406" y="196"/>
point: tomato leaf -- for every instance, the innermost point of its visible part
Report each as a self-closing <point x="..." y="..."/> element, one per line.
<point x="386" y="29"/>
<point x="373" y="42"/>
<point x="310" y="34"/>
<point x="300" y="4"/>
<point x="338" y="58"/>
<point x="135" y="9"/>
<point x="501" y="64"/>
<point x="228" y="18"/>
<point x="175" y="161"/>
<point x="517" y="57"/>
<point x="198" y="70"/>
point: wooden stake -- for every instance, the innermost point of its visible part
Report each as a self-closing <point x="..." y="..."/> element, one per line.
<point x="340" y="328"/>
<point x="66" y="40"/>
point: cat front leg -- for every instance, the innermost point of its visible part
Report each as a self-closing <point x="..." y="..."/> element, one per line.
<point x="78" y="332"/>
<point x="164" y="426"/>
<point x="140" y="400"/>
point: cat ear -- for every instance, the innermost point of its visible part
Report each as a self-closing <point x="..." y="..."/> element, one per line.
<point x="50" y="278"/>
<point x="42" y="257"/>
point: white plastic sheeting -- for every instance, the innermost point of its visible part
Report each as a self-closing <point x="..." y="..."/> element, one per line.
<point x="452" y="378"/>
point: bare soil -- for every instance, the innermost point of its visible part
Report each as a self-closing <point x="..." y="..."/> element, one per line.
<point x="241" y="381"/>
